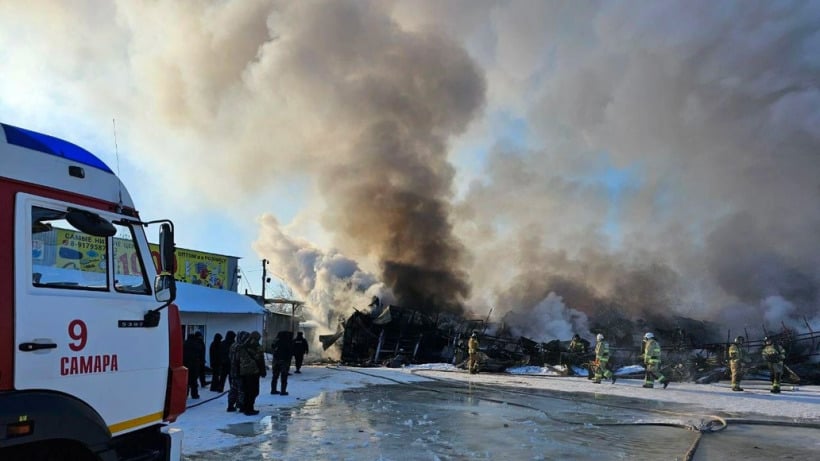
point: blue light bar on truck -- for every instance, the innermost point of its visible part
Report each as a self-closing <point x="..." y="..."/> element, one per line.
<point x="51" y="145"/>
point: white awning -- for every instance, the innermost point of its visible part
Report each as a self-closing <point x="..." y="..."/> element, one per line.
<point x="196" y="298"/>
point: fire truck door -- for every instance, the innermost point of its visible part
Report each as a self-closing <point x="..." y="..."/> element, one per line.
<point x="77" y="316"/>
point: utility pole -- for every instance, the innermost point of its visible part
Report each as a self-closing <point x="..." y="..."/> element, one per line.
<point x="264" y="278"/>
<point x="293" y="306"/>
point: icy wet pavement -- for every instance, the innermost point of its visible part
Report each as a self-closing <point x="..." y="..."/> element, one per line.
<point x="453" y="421"/>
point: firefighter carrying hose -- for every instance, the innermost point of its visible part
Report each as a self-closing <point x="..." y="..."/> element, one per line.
<point x="652" y="362"/>
<point x="737" y="360"/>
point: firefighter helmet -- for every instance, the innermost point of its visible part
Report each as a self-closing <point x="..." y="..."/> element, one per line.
<point x="740" y="339"/>
<point x="767" y="340"/>
<point x="600" y="337"/>
<point x="474" y="335"/>
<point x="648" y="335"/>
<point x="576" y="336"/>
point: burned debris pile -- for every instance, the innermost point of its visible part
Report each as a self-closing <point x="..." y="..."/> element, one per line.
<point x="394" y="336"/>
<point x="381" y="335"/>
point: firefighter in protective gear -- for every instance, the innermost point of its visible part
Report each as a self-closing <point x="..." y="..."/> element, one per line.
<point x="774" y="355"/>
<point x="575" y="353"/>
<point x="602" y="360"/>
<point x="652" y="362"/>
<point x="576" y="346"/>
<point x="737" y="360"/>
<point x="472" y="350"/>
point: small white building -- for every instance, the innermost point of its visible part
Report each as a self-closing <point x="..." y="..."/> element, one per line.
<point x="212" y="311"/>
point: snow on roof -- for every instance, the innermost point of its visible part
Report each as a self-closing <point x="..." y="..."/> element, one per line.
<point x="197" y="298"/>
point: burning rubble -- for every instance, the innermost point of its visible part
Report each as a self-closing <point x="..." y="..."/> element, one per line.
<point x="395" y="335"/>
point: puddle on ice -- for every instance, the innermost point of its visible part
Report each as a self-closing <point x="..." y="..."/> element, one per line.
<point x="440" y="421"/>
<point x="271" y="425"/>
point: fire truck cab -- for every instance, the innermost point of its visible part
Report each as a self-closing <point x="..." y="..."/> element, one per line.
<point x="90" y="342"/>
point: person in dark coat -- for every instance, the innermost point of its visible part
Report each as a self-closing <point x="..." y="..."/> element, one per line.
<point x="282" y="353"/>
<point x="193" y="357"/>
<point x="251" y="368"/>
<point x="300" y="348"/>
<point x="225" y="359"/>
<point x="236" y="397"/>
<point x="202" y="380"/>
<point x="216" y="362"/>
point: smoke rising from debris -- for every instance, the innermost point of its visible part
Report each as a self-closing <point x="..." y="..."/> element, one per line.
<point x="672" y="167"/>
<point x="387" y="186"/>
<point x="330" y="283"/>
<point x="545" y="160"/>
<point x="549" y="318"/>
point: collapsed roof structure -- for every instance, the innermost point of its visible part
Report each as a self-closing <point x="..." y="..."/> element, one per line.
<point x="396" y="335"/>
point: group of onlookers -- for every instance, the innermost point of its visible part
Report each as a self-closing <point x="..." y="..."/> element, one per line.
<point x="239" y="360"/>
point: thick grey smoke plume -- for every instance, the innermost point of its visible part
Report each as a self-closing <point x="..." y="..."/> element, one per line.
<point x="394" y="99"/>
<point x="387" y="183"/>
<point x="597" y="159"/>
<point x="672" y="166"/>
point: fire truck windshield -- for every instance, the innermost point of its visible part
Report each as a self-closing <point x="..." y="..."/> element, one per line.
<point x="67" y="256"/>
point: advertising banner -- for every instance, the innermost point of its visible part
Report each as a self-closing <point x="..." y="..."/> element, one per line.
<point x="198" y="268"/>
<point x="75" y="250"/>
<point x="80" y="251"/>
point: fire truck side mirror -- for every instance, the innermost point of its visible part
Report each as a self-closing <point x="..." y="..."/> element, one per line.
<point x="165" y="288"/>
<point x="166" y="248"/>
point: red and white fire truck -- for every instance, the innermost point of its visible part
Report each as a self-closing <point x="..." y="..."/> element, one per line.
<point x="90" y="342"/>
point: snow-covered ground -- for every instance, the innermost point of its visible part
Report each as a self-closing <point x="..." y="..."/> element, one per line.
<point x="205" y="422"/>
<point x="204" y="418"/>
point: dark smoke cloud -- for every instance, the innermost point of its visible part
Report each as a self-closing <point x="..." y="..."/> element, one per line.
<point x="402" y="96"/>
<point x="394" y="100"/>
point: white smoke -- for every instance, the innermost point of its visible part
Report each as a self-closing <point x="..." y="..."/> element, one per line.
<point x="776" y="310"/>
<point x="547" y="320"/>
<point x="331" y="284"/>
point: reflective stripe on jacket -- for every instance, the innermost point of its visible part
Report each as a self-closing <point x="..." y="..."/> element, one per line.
<point x="652" y="352"/>
<point x="736" y="353"/>
<point x="773" y="353"/>
<point x="602" y="350"/>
